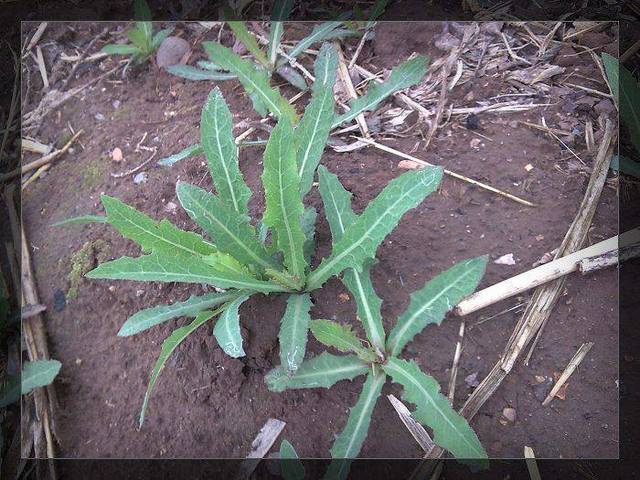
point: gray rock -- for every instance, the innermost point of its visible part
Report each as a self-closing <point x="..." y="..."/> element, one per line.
<point x="171" y="51"/>
<point x="140" y="178"/>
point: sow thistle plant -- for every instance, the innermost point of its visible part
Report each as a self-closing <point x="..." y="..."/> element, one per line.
<point x="273" y="256"/>
<point x="379" y="356"/>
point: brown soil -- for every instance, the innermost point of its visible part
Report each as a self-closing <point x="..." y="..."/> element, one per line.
<point x="209" y="405"/>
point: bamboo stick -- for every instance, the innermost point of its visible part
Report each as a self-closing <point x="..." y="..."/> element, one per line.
<point x="447" y="172"/>
<point x="568" y="371"/>
<point x="543" y="274"/>
<point x="456" y="362"/>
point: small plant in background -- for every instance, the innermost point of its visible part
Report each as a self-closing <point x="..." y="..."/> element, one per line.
<point x="39" y="373"/>
<point x="379" y="355"/>
<point x="274" y="255"/>
<point x="143" y="41"/>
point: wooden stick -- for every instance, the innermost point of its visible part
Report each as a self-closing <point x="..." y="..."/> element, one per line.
<point x="456" y="362"/>
<point x="447" y="172"/>
<point x="343" y="71"/>
<point x="36" y="37"/>
<point x="35" y="176"/>
<point x="260" y="447"/>
<point x="539" y="275"/>
<point x="532" y="466"/>
<point x="41" y="161"/>
<point x="568" y="371"/>
<point x="42" y="67"/>
<point x="416" y="430"/>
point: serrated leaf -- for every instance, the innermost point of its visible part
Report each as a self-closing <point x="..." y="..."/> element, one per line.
<point x="193" y="73"/>
<point x="284" y="206"/>
<point x="435" y="299"/>
<point x="308" y="224"/>
<point x="190" y="151"/>
<point x="151" y="235"/>
<point x="337" y="205"/>
<point x="630" y="105"/>
<point x="81" y="219"/>
<point x="150" y="317"/>
<point x="227" y="329"/>
<point x="165" y="268"/>
<point x="243" y="35"/>
<point x="292" y="76"/>
<point x="256" y="82"/>
<point x="290" y="465"/>
<point x="341" y="337"/>
<point x="314" y="128"/>
<point x="207" y="65"/>
<point x="360" y="240"/>
<point x="117" y="49"/>
<point x="450" y="430"/>
<point x="321" y="371"/>
<point x="159" y="37"/>
<point x="138" y="38"/>
<point x="321" y="32"/>
<point x="403" y="76"/>
<point x="293" y="331"/>
<point x="216" y="138"/>
<point x="349" y="442"/>
<point x="168" y="346"/>
<point x="39" y="373"/>
<point x="230" y="229"/>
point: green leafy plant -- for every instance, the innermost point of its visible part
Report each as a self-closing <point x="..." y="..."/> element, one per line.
<point x="39" y="373"/>
<point x="379" y="356"/>
<point x="143" y="41"/>
<point x="269" y="257"/>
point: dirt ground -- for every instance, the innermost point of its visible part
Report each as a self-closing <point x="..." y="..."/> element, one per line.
<point x="206" y="404"/>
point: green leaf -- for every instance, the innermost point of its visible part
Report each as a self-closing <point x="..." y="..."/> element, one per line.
<point x="190" y="151"/>
<point x="138" y="38"/>
<point x="292" y="76"/>
<point x="39" y="373"/>
<point x="630" y="105"/>
<point x="159" y="37"/>
<point x="377" y="10"/>
<point x="168" y="346"/>
<point x="290" y="466"/>
<point x="612" y="69"/>
<point x="625" y="165"/>
<point x="284" y="206"/>
<point x="321" y="371"/>
<point x="216" y="138"/>
<point x="117" y="49"/>
<point x="308" y="224"/>
<point x="403" y="76"/>
<point x="361" y="239"/>
<point x="243" y="35"/>
<point x="151" y="235"/>
<point x="293" y="331"/>
<point x="81" y="219"/>
<point x="207" y="65"/>
<point x="281" y="10"/>
<point x="227" y="329"/>
<point x="167" y="268"/>
<point x="141" y="10"/>
<point x="314" y="128"/>
<point x="350" y="440"/>
<point x="337" y="203"/>
<point x="10" y="392"/>
<point x="321" y="32"/>
<point x="150" y="317"/>
<point x="435" y="299"/>
<point x="256" y="82"/>
<point x="229" y="229"/>
<point x="193" y="73"/>
<point x="450" y="430"/>
<point x="341" y="337"/>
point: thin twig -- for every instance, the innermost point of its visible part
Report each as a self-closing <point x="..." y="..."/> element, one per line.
<point x="447" y="172"/>
<point x="568" y="371"/>
<point x="456" y="363"/>
<point x="135" y="169"/>
<point x="82" y="57"/>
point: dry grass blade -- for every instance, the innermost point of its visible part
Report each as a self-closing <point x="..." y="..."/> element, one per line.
<point x="260" y="446"/>
<point x="456" y="363"/>
<point x="568" y="371"/>
<point x="343" y="72"/>
<point x="36" y="37"/>
<point x="447" y="172"/>
<point x="532" y="466"/>
<point x="42" y="68"/>
<point x="416" y="430"/>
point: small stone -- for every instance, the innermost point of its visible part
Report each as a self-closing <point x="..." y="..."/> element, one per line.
<point x="100" y="117"/>
<point x="528" y="167"/>
<point x="171" y="207"/>
<point x="472" y="122"/>
<point x="343" y="297"/>
<point x="112" y="288"/>
<point x="539" y="237"/>
<point x="172" y="51"/>
<point x="140" y="178"/>
<point x="505" y="260"/>
<point x="509" y="414"/>
<point x="139" y="293"/>
<point x="475" y="143"/>
<point x="408" y="165"/>
<point x="78" y="361"/>
<point x="116" y="155"/>
<point x="116" y="104"/>
<point x="540" y="378"/>
<point x="472" y="380"/>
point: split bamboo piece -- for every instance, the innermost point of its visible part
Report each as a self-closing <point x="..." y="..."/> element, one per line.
<point x="568" y="371"/>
